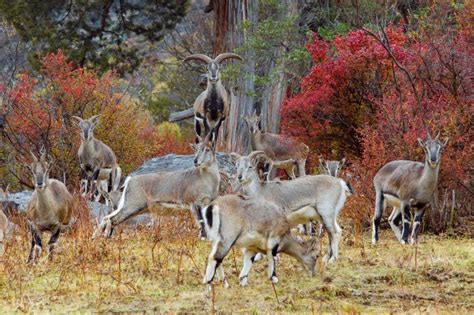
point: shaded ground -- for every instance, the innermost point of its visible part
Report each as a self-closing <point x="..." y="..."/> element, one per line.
<point x="145" y="270"/>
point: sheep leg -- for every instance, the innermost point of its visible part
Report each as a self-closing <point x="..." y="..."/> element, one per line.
<point x="196" y="211"/>
<point x="379" y="207"/>
<point x="334" y="235"/>
<point x="221" y="275"/>
<point x="393" y="220"/>
<point x="52" y="241"/>
<point x="216" y="128"/>
<point x="272" y="250"/>
<point x="249" y="258"/>
<point x="417" y="224"/>
<point x="36" y="246"/>
<point x="84" y="182"/>
<point x="405" y="208"/>
<point x="94" y="183"/>
<point x="197" y="127"/>
<point x="220" y="249"/>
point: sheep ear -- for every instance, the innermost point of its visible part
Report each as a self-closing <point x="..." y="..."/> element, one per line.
<point x="193" y="146"/>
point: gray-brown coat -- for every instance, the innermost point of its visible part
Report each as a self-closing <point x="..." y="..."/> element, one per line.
<point x="50" y="206"/>
<point x="407" y="185"/>
<point x="304" y="199"/>
<point x="277" y="148"/>
<point x="97" y="160"/>
<point x="257" y="226"/>
<point x="168" y="192"/>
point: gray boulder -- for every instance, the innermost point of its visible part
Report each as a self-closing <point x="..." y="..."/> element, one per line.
<point x="168" y="163"/>
<point x="173" y="162"/>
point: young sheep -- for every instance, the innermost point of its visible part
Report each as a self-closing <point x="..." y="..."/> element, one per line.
<point x="97" y="160"/>
<point x="304" y="199"/>
<point x="49" y="209"/>
<point x="212" y="106"/>
<point x="257" y="226"/>
<point x="282" y="152"/>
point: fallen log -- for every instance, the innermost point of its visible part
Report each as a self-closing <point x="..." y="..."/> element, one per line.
<point x="182" y="115"/>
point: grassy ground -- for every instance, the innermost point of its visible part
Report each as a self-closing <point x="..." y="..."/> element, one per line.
<point x="161" y="270"/>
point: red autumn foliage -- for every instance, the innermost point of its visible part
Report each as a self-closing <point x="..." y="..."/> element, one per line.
<point x="355" y="102"/>
<point x="39" y="111"/>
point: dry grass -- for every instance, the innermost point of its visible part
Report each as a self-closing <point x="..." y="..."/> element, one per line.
<point x="161" y="270"/>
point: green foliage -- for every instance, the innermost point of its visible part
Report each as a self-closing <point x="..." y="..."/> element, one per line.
<point x="169" y="129"/>
<point x="329" y="32"/>
<point x="160" y="106"/>
<point x="277" y="42"/>
<point x="94" y="34"/>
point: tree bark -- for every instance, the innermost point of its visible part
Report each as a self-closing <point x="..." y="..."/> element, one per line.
<point x="230" y="35"/>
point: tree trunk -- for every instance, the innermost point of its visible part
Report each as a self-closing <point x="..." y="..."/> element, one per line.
<point x="230" y="35"/>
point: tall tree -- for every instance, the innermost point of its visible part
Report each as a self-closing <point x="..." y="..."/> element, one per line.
<point x="98" y="34"/>
<point x="267" y="35"/>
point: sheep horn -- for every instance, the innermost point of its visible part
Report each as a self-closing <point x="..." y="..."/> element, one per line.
<point x="253" y="156"/>
<point x="199" y="57"/>
<point x="225" y="56"/>
<point x="34" y="157"/>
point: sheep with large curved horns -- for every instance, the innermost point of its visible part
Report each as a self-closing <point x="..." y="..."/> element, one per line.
<point x="212" y="106"/>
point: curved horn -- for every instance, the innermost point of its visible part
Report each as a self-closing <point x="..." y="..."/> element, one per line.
<point x="437" y="136"/>
<point x="225" y="56"/>
<point x="199" y="57"/>
<point x="79" y="119"/>
<point x="253" y="156"/>
<point x="34" y="157"/>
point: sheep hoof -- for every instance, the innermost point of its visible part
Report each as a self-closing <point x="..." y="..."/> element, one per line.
<point x="226" y="284"/>
<point x="274" y="279"/>
<point x="403" y="242"/>
<point x="243" y="281"/>
<point x="258" y="257"/>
